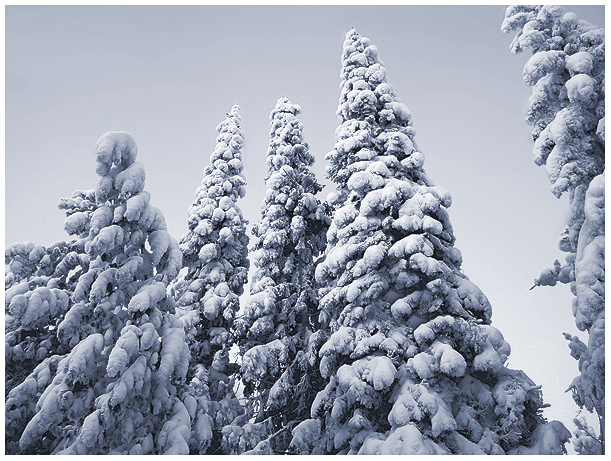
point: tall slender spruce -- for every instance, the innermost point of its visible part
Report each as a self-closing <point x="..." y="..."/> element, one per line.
<point x="278" y="362"/>
<point x="216" y="261"/>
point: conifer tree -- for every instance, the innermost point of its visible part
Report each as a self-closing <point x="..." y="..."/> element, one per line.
<point x="413" y="365"/>
<point x="115" y="390"/>
<point x="215" y="255"/>
<point x="567" y="113"/>
<point x="279" y="319"/>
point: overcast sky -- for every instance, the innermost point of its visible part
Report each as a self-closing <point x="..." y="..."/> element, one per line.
<point x="168" y="75"/>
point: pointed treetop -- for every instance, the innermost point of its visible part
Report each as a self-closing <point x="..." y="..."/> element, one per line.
<point x="285" y="105"/>
<point x="373" y="120"/>
<point x="286" y="141"/>
<point x="359" y="53"/>
<point x="365" y="93"/>
<point x="235" y="113"/>
<point x="121" y="176"/>
<point x="220" y="177"/>
<point x="233" y="120"/>
<point x="115" y="148"/>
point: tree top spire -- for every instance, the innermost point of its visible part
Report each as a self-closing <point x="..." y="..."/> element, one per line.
<point x="115" y="148"/>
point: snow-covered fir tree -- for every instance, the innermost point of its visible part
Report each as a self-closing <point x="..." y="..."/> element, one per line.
<point x="215" y="255"/>
<point x="413" y="364"/>
<point x="115" y="390"/>
<point x="567" y="113"/>
<point x="278" y="331"/>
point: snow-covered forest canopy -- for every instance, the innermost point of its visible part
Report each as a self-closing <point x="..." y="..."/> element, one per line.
<point x="295" y="282"/>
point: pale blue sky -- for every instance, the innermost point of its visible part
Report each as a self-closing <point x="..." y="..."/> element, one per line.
<point x="168" y="75"/>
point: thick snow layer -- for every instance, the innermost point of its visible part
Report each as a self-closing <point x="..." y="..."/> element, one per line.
<point x="151" y="219"/>
<point x="136" y="206"/>
<point x="401" y="308"/>
<point x="370" y="261"/>
<point x="159" y="241"/>
<point x="581" y="89"/>
<point x="100" y="218"/>
<point x="130" y="181"/>
<point x="410" y="245"/>
<point x="379" y="200"/>
<point x="174" y="350"/>
<point x="115" y="147"/>
<point x="305" y="436"/>
<point x="600" y="129"/>
<point x="364" y="181"/>
<point x="99" y="288"/>
<point x="126" y="346"/>
<point x="68" y="329"/>
<point x="378" y="371"/>
<point x="19" y="289"/>
<point x="81" y="363"/>
<point x="415" y="401"/>
<point x="405" y="440"/>
<point x="542" y="63"/>
<point x="424" y="333"/>
<point x="579" y="63"/>
<point x="78" y="366"/>
<point x="90" y="430"/>
<point x="261" y="303"/>
<point x="129" y="269"/>
<point x="262" y="360"/>
<point x="171" y="262"/>
<point x="451" y="362"/>
<point x="107" y="240"/>
<point x="76" y="223"/>
<point x="488" y="359"/>
<point x="341" y="342"/>
<point x="547" y="439"/>
<point x="423" y="364"/>
<point x="147" y="297"/>
<point x="590" y="258"/>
